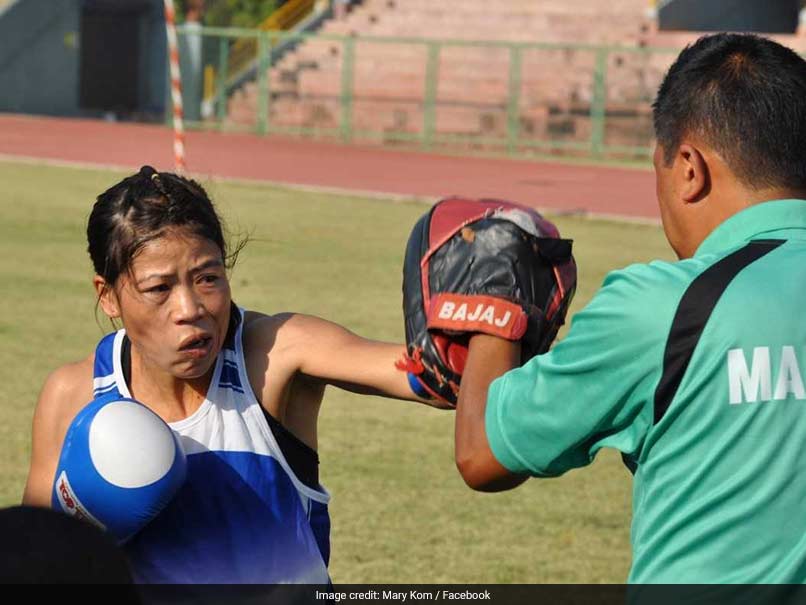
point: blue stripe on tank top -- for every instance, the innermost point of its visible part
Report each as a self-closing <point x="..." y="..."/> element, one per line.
<point x="103" y="356"/>
<point x="230" y="376"/>
<point x="103" y="391"/>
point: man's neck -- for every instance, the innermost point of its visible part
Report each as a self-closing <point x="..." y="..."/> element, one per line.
<point x="758" y="196"/>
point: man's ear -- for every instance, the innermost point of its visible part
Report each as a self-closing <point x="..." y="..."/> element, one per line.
<point x="693" y="174"/>
<point x="106" y="297"/>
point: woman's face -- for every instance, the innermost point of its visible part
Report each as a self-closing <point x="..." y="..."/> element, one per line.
<point x="174" y="304"/>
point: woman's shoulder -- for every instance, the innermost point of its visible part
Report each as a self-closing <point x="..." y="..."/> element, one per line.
<point x="67" y="389"/>
<point x="270" y="332"/>
<point x="258" y="326"/>
<point x="73" y="376"/>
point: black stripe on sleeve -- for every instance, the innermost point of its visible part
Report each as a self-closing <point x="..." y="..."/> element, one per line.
<point x="692" y="314"/>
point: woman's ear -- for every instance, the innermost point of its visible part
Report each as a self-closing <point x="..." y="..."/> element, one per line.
<point x="106" y="297"/>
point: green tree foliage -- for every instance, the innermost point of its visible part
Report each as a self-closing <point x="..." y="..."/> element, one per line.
<point x="233" y="13"/>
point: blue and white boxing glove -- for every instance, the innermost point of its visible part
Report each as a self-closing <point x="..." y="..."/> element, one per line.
<point x="120" y="465"/>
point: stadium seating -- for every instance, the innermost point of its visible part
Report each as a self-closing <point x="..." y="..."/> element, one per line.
<point x="473" y="95"/>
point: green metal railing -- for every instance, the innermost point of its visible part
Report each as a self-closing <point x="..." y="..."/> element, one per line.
<point x="428" y="135"/>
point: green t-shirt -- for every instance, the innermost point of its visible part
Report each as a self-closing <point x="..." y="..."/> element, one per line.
<point x="719" y="490"/>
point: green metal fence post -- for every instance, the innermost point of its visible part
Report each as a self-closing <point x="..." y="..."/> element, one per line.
<point x="598" y="102"/>
<point x="263" y="83"/>
<point x="347" y="84"/>
<point x="514" y="98"/>
<point x="221" y="84"/>
<point x="430" y="94"/>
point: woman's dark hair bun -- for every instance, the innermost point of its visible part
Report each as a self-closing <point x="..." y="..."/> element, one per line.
<point x="147" y="172"/>
<point x="143" y="207"/>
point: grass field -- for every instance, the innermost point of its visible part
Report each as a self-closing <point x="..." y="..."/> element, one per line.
<point x="400" y="511"/>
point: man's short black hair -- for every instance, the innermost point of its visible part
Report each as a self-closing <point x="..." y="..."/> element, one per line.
<point x="745" y="97"/>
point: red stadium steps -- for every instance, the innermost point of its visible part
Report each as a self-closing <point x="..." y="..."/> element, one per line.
<point x="472" y="95"/>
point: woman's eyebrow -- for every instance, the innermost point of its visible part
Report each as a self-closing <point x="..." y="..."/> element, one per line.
<point x="153" y="276"/>
<point x="213" y="262"/>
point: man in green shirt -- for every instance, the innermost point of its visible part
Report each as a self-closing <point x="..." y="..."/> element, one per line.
<point x="694" y="370"/>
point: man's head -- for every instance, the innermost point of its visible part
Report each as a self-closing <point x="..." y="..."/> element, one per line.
<point x="730" y="123"/>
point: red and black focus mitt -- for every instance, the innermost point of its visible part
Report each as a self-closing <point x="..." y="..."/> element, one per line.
<point x="480" y="266"/>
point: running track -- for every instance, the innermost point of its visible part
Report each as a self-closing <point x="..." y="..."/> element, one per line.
<point x="547" y="185"/>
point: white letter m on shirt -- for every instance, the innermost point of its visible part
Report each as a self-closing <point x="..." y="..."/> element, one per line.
<point x="751" y="384"/>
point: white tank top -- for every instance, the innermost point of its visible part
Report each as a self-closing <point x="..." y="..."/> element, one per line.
<point x="242" y="516"/>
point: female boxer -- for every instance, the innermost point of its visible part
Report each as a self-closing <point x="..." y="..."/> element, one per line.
<point x="241" y="389"/>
